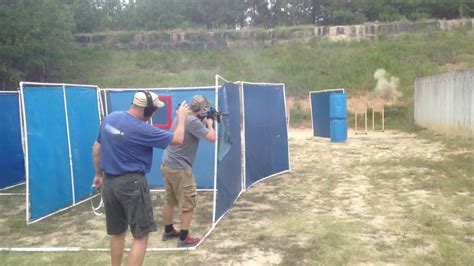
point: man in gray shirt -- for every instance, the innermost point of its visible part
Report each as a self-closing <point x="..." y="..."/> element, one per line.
<point x="177" y="163"/>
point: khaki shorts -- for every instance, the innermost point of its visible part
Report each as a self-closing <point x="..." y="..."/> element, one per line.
<point x="180" y="188"/>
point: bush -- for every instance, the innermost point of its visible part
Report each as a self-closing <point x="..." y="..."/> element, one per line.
<point x="299" y="116"/>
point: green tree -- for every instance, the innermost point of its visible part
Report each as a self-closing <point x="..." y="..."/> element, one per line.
<point x="224" y="13"/>
<point x="87" y="16"/>
<point x="112" y="12"/>
<point x="153" y="15"/>
<point x="35" y="38"/>
<point x="342" y="12"/>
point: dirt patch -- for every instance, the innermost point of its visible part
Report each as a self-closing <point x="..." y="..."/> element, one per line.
<point x="376" y="199"/>
<point x="359" y="185"/>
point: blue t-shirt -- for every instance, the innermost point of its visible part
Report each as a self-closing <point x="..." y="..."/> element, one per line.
<point x="126" y="143"/>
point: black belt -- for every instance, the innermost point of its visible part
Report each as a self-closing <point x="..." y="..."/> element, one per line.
<point x="124" y="174"/>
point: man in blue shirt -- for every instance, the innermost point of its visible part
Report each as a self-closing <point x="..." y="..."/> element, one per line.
<point x="122" y="154"/>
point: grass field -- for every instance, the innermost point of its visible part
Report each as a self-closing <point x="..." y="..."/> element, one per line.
<point x="381" y="198"/>
<point x="405" y="196"/>
<point x="316" y="65"/>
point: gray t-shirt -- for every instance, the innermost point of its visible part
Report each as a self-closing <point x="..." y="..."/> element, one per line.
<point x="182" y="156"/>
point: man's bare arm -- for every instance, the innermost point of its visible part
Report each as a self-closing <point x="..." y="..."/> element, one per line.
<point x="181" y="113"/>
<point x="99" y="173"/>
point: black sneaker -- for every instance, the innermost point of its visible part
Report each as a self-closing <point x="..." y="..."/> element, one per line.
<point x="171" y="235"/>
<point x="188" y="242"/>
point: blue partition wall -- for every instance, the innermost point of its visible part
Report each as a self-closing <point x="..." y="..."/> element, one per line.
<point x="229" y="178"/>
<point x="84" y="124"/>
<point x="320" y="115"/>
<point x="266" y="132"/>
<point x="338" y="117"/>
<point x="204" y="165"/>
<point x="60" y="169"/>
<point x="11" y="153"/>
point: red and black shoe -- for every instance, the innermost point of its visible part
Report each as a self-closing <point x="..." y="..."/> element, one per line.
<point x="170" y="235"/>
<point x="188" y="242"/>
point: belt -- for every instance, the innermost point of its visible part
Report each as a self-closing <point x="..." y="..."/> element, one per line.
<point x="124" y="174"/>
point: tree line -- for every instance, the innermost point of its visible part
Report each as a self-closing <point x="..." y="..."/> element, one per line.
<point x="36" y="36"/>
<point x="101" y="15"/>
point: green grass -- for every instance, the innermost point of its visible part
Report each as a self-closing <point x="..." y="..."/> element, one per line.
<point x="280" y="219"/>
<point x="317" y="65"/>
<point x="443" y="220"/>
<point x="408" y="209"/>
<point x="299" y="115"/>
<point x="451" y="177"/>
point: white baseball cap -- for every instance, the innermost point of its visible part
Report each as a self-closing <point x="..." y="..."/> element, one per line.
<point x="140" y="99"/>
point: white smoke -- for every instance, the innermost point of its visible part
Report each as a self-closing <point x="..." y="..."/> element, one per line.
<point x="387" y="86"/>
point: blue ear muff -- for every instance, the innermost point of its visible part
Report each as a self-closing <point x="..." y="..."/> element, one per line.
<point x="149" y="109"/>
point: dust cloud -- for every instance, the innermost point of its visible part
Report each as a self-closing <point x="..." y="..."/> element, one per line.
<point x="387" y="86"/>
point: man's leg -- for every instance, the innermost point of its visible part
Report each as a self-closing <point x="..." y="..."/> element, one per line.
<point x="168" y="213"/>
<point x="186" y="217"/>
<point x="170" y="198"/>
<point x="138" y="250"/>
<point x="117" y="243"/>
<point x="184" y="239"/>
<point x="188" y="204"/>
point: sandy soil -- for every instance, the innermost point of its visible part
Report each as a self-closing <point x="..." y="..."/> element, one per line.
<point x="351" y="185"/>
<point x="342" y="183"/>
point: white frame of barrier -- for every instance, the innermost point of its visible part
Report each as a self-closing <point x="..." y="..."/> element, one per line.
<point x="22" y="146"/>
<point x="287" y="133"/>
<point x="214" y="190"/>
<point x="311" y="107"/>
<point x="25" y="137"/>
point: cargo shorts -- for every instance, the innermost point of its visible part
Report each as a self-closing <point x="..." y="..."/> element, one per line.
<point x="127" y="203"/>
<point x="180" y="188"/>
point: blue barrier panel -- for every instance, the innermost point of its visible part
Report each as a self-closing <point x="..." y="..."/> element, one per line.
<point x="338" y="129"/>
<point x="338" y="105"/>
<point x="50" y="158"/>
<point x="203" y="166"/>
<point x="229" y="181"/>
<point x="266" y="133"/>
<point x="338" y="115"/>
<point x="320" y="112"/>
<point x="11" y="153"/>
<point x="83" y="114"/>
<point x="49" y="172"/>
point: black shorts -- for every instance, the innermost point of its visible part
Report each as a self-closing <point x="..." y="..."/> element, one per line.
<point x="127" y="203"/>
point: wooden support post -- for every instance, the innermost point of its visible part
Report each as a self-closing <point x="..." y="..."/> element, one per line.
<point x="365" y="117"/>
<point x="373" y="119"/>
<point x="383" y="119"/>
<point x="355" y="126"/>
<point x="378" y="108"/>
